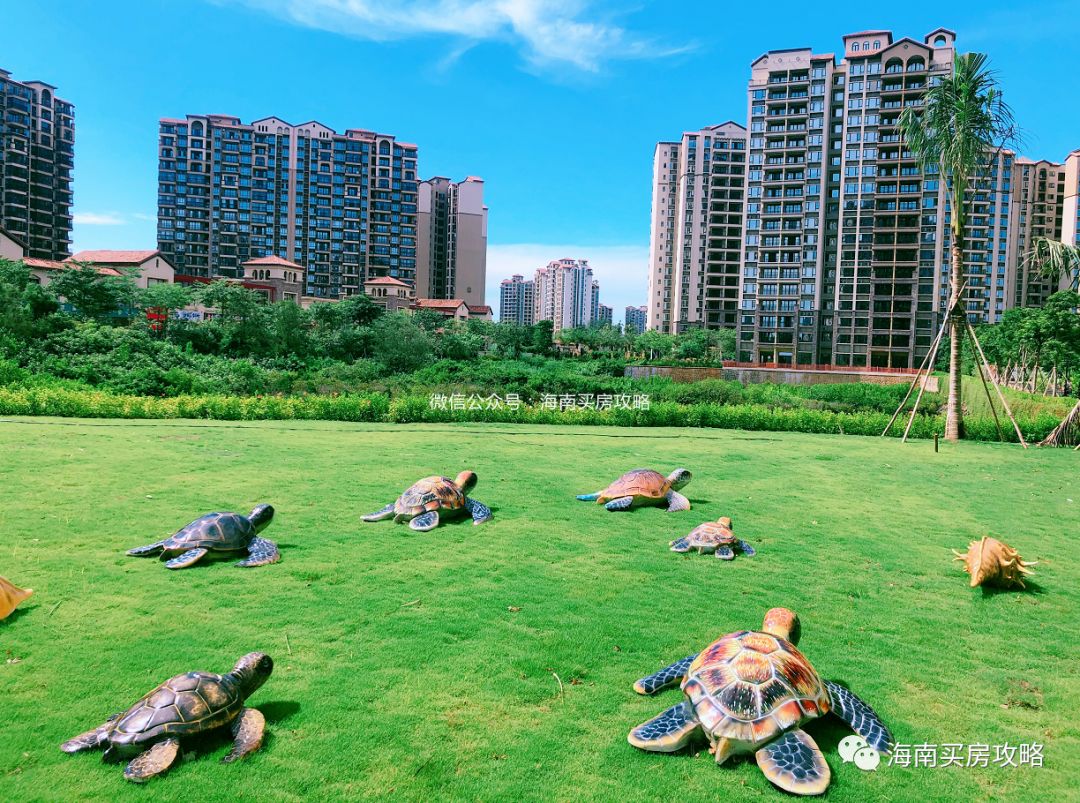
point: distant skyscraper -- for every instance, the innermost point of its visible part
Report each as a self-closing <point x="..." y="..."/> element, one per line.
<point x="452" y="240"/>
<point x="636" y="318"/>
<point x="565" y="293"/>
<point x="1070" y="205"/>
<point x="37" y="152"/>
<point x="696" y="237"/>
<point x="604" y="315"/>
<point x="594" y="301"/>
<point x="517" y="300"/>
<point x="342" y="205"/>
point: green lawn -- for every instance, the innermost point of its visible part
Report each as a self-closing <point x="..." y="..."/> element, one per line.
<point x="423" y="666"/>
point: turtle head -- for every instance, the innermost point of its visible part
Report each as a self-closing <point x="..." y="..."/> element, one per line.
<point x="724" y="521"/>
<point x="782" y="623"/>
<point x="466" y="481"/>
<point x="260" y="517"/>
<point x="678" y="478"/>
<point x="252" y="670"/>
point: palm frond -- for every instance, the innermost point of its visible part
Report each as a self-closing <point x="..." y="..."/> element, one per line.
<point x="1053" y="259"/>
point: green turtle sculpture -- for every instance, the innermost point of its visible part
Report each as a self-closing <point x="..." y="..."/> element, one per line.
<point x="149" y="733"/>
<point x="427" y="500"/>
<point x="217" y="532"/>
<point x="713" y="536"/>
<point x="641" y="487"/>
<point x="751" y="692"/>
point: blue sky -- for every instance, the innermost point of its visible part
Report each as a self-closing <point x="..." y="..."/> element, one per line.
<point x="557" y="104"/>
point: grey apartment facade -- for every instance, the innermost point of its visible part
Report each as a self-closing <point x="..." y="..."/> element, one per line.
<point x="517" y="300"/>
<point x="37" y="153"/>
<point x="344" y="205"/>
<point x="452" y="240"/>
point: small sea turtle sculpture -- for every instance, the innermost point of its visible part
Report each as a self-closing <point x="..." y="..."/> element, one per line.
<point x="713" y="536"/>
<point x="641" y="487"/>
<point x="422" y="504"/>
<point x="149" y="732"/>
<point x="751" y="692"/>
<point x="10" y="597"/>
<point x="994" y="563"/>
<point x="217" y="532"/>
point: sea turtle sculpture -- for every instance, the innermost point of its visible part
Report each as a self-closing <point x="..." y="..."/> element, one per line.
<point x="750" y="692"/>
<point x="713" y="536"/>
<point x="149" y="732"/>
<point x="643" y="486"/>
<point x="217" y="532"/>
<point x="10" y="597"/>
<point x="422" y="504"/>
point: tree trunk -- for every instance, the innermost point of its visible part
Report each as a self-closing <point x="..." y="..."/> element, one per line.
<point x="954" y="414"/>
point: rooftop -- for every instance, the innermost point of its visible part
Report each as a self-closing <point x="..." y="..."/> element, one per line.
<point x="114" y="257"/>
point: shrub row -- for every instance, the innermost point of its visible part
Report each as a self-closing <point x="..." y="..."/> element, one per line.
<point x="378" y="407"/>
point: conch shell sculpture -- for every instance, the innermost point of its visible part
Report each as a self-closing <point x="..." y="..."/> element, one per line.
<point x="993" y="563"/>
<point x="10" y="597"/>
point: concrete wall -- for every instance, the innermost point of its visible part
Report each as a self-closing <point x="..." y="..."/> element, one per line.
<point x="783" y="376"/>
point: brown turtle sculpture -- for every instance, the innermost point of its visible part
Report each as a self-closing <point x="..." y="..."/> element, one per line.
<point x="217" y="532"/>
<point x="750" y="692"/>
<point x="716" y="537"/>
<point x="422" y="504"/>
<point x="993" y="563"/>
<point x="149" y="733"/>
<point x="10" y="597"/>
<point x="642" y="487"/>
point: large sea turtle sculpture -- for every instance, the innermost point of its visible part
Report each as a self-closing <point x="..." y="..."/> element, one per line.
<point x="713" y="536"/>
<point x="751" y="692"/>
<point x="427" y="500"/>
<point x="149" y="733"/>
<point x="641" y="487"/>
<point x="217" y="532"/>
<point x="10" y="597"/>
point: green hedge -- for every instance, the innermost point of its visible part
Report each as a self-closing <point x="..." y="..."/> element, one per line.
<point x="378" y="407"/>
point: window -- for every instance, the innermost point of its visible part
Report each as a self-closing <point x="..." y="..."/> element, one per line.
<point x="877" y="44"/>
<point x="855" y="47"/>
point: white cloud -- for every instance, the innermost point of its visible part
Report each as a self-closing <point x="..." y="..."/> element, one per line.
<point x="548" y="32"/>
<point x="98" y="219"/>
<point x="622" y="270"/>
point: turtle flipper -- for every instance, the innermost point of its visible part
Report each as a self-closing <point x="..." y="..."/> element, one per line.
<point x="480" y="512"/>
<point x="91" y="739"/>
<point x="747" y="549"/>
<point x="667" y="732"/>
<point x="187" y="559"/>
<point x="260" y="553"/>
<point x="153" y="762"/>
<point x="622" y="503"/>
<point x="425" y="521"/>
<point x="680" y="545"/>
<point x="379" y="515"/>
<point x="147" y="551"/>
<point x="247" y="729"/>
<point x="795" y="764"/>
<point x="676" y="501"/>
<point x="725" y="553"/>
<point x="860" y="716"/>
<point x="666" y="678"/>
<point x="588" y="497"/>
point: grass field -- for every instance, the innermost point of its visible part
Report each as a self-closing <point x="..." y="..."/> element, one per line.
<point x="496" y="663"/>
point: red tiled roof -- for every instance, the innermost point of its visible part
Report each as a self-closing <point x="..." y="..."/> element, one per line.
<point x="482" y="308"/>
<point x="387" y="280"/>
<point x="114" y="257"/>
<point x="440" y="303"/>
<point x="52" y="264"/>
<point x="274" y="260"/>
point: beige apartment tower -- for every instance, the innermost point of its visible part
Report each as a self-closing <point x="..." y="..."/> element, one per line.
<point x="565" y="294"/>
<point x="451" y="258"/>
<point x="696" y="232"/>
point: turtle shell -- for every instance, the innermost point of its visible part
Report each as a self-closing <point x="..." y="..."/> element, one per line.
<point x="711" y="533"/>
<point x="430" y="493"/>
<point x="751" y="686"/>
<point x="225" y="531"/>
<point x="181" y="706"/>
<point x="641" y="482"/>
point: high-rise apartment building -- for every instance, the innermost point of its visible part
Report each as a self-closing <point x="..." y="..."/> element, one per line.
<point x="636" y="318"/>
<point x="452" y="240"/>
<point x="37" y="153"/>
<point x="695" y="240"/>
<point x="1070" y="204"/>
<point x="517" y="300"/>
<point x="1038" y="198"/>
<point x="342" y="205"/>
<point x="604" y="315"/>
<point x="566" y="293"/>
<point x="594" y="301"/>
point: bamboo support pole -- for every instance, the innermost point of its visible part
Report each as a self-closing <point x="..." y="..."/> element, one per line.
<point x="1001" y="396"/>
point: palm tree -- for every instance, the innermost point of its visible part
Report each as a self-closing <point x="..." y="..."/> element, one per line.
<point x="1054" y="259"/>
<point x="958" y="133"/>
